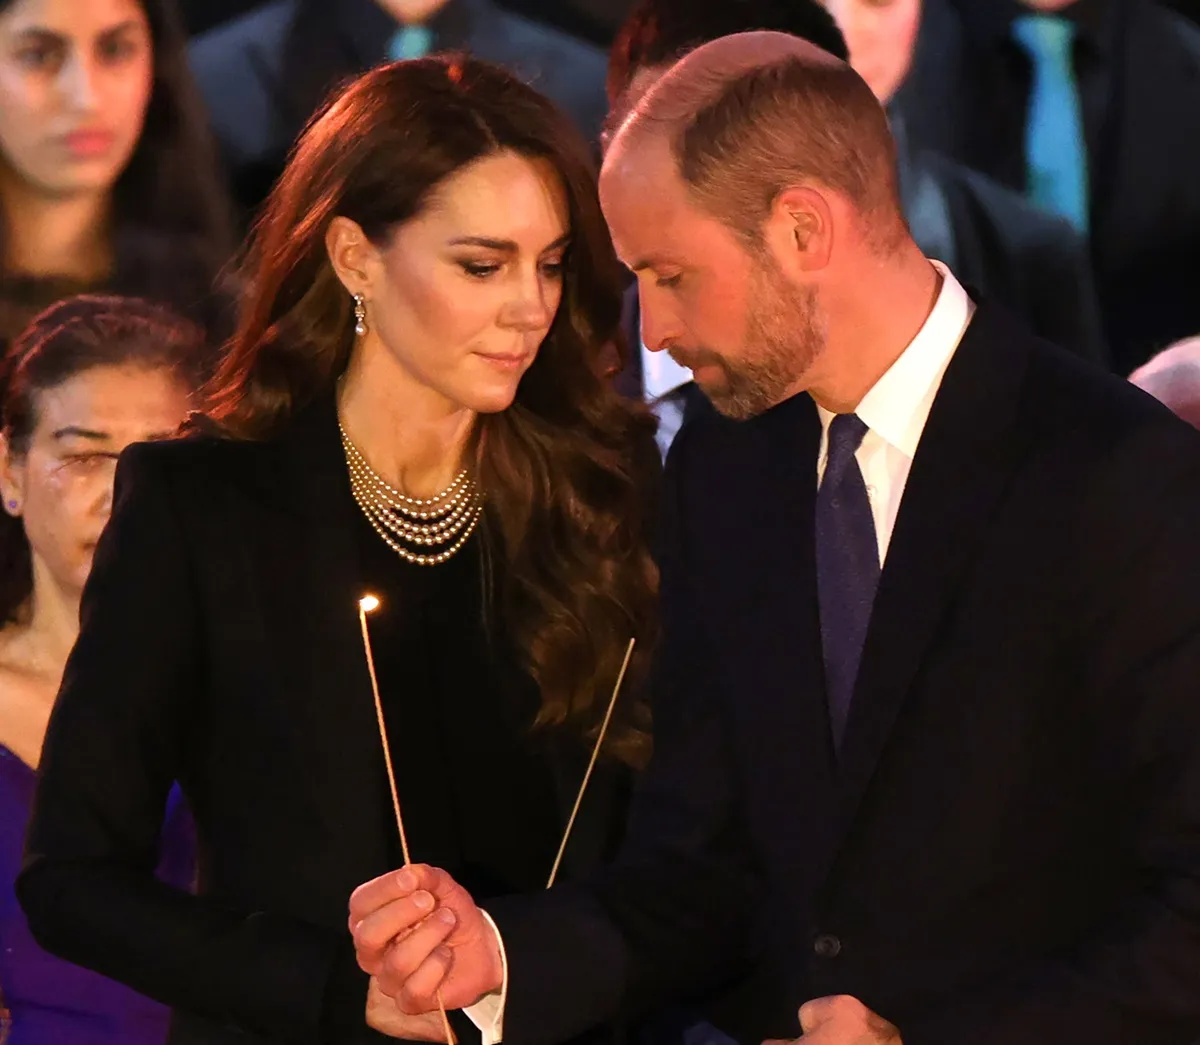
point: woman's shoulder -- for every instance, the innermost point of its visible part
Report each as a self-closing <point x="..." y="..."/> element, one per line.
<point x="196" y="466"/>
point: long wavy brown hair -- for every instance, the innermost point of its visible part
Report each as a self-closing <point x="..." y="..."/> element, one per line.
<point x="568" y="470"/>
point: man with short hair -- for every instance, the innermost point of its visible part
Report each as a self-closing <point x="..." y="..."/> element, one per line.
<point x="926" y="707"/>
<point x="994" y="241"/>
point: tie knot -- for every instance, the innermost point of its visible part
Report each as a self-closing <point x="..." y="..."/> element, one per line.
<point x="1046" y="38"/>
<point x="846" y="432"/>
<point x="410" y="41"/>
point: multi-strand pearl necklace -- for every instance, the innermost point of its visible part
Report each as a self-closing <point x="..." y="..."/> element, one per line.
<point x="424" y="531"/>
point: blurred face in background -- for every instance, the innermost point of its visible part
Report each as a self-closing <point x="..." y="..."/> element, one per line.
<point x="60" y="485"/>
<point x="881" y="36"/>
<point x="75" y="80"/>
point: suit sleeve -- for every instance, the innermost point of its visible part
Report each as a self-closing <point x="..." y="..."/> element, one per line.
<point x="671" y="916"/>
<point x="1137" y="977"/>
<point x="113" y="749"/>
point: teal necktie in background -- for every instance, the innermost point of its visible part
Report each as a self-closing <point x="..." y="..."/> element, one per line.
<point x="1055" y="149"/>
<point x="410" y="41"/>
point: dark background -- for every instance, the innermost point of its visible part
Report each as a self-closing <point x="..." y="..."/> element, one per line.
<point x="592" y="19"/>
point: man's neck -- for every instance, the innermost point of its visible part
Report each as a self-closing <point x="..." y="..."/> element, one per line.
<point x="413" y="12"/>
<point x="870" y="326"/>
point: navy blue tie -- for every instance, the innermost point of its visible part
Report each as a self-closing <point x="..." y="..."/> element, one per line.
<point x="847" y="566"/>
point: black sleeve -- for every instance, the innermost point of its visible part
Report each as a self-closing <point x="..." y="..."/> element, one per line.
<point x="671" y="917"/>
<point x="112" y="752"/>
<point x="1137" y="978"/>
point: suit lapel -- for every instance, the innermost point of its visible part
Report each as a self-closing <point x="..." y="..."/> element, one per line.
<point x="318" y="658"/>
<point x="967" y="454"/>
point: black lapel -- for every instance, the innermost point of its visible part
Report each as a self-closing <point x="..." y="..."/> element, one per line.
<point x="309" y="569"/>
<point x="967" y="454"/>
<point x="757" y="545"/>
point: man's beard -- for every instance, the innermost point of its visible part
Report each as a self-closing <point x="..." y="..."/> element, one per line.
<point x="784" y="335"/>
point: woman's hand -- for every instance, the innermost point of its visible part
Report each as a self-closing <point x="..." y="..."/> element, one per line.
<point x="418" y="932"/>
<point x="384" y="1015"/>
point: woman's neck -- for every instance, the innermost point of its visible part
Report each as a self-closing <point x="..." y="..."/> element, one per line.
<point x="41" y="641"/>
<point x="67" y="236"/>
<point x="411" y="435"/>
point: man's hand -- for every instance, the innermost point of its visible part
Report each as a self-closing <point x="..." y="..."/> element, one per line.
<point x="417" y="931"/>
<point x="843" y="1021"/>
<point x="385" y="1016"/>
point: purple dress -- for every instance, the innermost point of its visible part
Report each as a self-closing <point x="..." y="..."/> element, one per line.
<point x="53" y="1002"/>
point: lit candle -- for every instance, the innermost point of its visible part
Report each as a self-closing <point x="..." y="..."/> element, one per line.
<point x="369" y="604"/>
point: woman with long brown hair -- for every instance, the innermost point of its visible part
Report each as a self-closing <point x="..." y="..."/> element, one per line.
<point x="413" y="406"/>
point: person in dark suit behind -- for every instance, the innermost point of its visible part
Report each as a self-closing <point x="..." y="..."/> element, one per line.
<point x="1031" y="262"/>
<point x="1092" y="109"/>
<point x="264" y="74"/>
<point x="411" y="407"/>
<point x="926" y="715"/>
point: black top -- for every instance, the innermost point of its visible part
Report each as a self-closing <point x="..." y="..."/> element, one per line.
<point x="459" y="711"/>
<point x="220" y="646"/>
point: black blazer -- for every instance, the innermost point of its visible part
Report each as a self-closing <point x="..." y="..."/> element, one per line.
<point x="1007" y="850"/>
<point x="264" y="74"/>
<point x="966" y="98"/>
<point x="220" y="646"/>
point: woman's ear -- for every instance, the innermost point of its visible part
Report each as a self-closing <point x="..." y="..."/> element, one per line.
<point x="12" y="478"/>
<point x="355" y="259"/>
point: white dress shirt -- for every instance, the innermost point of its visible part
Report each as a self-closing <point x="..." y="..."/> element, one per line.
<point x="662" y="380"/>
<point x="894" y="410"/>
<point x="897" y="406"/>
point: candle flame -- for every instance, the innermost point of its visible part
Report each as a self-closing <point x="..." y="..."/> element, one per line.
<point x="368" y="604"/>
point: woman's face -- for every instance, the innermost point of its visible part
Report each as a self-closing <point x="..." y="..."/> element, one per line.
<point x="61" y="487"/>
<point x="464" y="294"/>
<point x="75" y="80"/>
<point x="881" y="36"/>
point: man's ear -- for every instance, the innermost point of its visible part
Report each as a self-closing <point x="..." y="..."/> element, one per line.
<point x="799" y="230"/>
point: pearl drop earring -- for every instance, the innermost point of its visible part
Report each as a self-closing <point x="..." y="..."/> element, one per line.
<point x="360" y="315"/>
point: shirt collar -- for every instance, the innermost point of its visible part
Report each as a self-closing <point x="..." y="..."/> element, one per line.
<point x="661" y="375"/>
<point x="898" y="404"/>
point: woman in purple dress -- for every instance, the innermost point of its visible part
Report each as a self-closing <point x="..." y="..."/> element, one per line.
<point x="90" y="376"/>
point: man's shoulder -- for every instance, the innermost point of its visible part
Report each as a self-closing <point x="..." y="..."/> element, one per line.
<point x="1006" y="214"/>
<point x="542" y="41"/>
<point x="235" y="65"/>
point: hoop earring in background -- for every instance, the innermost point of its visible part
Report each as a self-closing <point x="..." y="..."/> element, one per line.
<point x="360" y="315"/>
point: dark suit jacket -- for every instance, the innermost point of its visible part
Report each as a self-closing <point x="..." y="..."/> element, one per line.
<point x="1007" y="849"/>
<point x="220" y="646"/>
<point x="1033" y="263"/>
<point x="264" y="74"/>
<point x="1139" y="73"/>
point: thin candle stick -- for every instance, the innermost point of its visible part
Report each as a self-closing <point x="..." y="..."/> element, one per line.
<point x="587" y="777"/>
<point x="368" y="604"/>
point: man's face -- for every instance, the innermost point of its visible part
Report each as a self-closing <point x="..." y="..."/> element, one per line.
<point x="881" y="36"/>
<point x="725" y="310"/>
